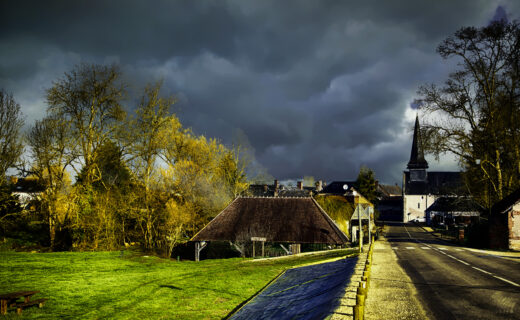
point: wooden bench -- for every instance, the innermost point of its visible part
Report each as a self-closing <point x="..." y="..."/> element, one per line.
<point x="10" y="300"/>
<point x="20" y="306"/>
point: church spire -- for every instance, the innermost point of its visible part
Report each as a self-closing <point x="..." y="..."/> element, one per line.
<point x="417" y="160"/>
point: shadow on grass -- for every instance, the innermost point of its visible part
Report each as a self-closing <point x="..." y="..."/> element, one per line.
<point x="169" y="287"/>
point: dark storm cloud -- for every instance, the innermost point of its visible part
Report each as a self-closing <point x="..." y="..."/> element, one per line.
<point x="318" y="87"/>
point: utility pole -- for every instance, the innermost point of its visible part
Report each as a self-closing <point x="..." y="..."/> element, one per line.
<point x="358" y="208"/>
<point x="369" y="228"/>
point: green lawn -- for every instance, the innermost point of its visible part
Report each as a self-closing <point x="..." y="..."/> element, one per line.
<point x="94" y="285"/>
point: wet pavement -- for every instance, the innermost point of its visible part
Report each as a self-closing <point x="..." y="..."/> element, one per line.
<point x="311" y="292"/>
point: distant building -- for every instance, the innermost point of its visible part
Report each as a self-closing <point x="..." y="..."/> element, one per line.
<point x="338" y="188"/>
<point x="345" y="192"/>
<point x="388" y="190"/>
<point x="421" y="188"/>
<point x="278" y="190"/>
<point x="504" y="223"/>
<point x="28" y="190"/>
<point x="390" y="202"/>
<point x="453" y="210"/>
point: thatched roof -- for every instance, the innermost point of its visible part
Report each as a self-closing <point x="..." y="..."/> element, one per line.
<point x="296" y="220"/>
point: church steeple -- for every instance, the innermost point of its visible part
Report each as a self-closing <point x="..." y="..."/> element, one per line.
<point x="417" y="160"/>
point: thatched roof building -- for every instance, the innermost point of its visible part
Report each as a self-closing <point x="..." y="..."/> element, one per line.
<point x="295" y="220"/>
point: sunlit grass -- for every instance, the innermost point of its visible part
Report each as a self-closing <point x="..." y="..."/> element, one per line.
<point x="94" y="285"/>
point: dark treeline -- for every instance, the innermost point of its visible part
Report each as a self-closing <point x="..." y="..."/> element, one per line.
<point x="102" y="178"/>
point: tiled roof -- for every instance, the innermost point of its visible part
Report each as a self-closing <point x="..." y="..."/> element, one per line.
<point x="261" y="190"/>
<point x="297" y="220"/>
<point x="264" y="190"/>
<point x="389" y="190"/>
<point x="294" y="192"/>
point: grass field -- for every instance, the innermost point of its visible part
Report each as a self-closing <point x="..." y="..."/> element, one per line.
<point x="101" y="285"/>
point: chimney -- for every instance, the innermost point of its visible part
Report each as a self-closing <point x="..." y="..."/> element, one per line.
<point x="276" y="186"/>
<point x="319" y="185"/>
<point x="299" y="184"/>
<point x="377" y="184"/>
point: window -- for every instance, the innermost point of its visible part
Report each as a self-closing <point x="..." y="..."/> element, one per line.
<point x="418" y="205"/>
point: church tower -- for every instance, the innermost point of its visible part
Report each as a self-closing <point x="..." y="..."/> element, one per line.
<point x="417" y="164"/>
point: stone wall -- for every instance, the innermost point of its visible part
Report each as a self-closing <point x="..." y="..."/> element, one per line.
<point x="414" y="206"/>
<point x="514" y="230"/>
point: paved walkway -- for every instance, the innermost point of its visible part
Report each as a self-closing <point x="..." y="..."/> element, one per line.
<point x="310" y="292"/>
<point x="391" y="294"/>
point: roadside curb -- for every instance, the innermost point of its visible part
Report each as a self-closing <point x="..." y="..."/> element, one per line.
<point x="352" y="302"/>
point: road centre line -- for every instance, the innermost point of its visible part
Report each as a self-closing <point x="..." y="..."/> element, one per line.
<point x="454" y="258"/>
<point x="484" y="271"/>
<point x="508" y="281"/>
<point x="461" y="261"/>
<point x="464" y="262"/>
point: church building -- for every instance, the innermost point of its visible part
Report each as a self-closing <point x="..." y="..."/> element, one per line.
<point x="421" y="188"/>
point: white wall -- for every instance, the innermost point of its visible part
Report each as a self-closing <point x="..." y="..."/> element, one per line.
<point x="415" y="205"/>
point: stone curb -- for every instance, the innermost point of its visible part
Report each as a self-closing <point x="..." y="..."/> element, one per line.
<point x="352" y="303"/>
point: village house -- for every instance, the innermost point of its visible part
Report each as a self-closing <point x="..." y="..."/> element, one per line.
<point x="504" y="223"/>
<point x="345" y="191"/>
<point x="278" y="190"/>
<point x="390" y="202"/>
<point x="460" y="211"/>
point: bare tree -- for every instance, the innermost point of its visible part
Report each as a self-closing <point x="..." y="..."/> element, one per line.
<point x="11" y="122"/>
<point x="49" y="146"/>
<point x="89" y="98"/>
<point x="475" y="114"/>
<point x="149" y="136"/>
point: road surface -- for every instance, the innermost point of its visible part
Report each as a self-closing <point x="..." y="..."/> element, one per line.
<point x="453" y="282"/>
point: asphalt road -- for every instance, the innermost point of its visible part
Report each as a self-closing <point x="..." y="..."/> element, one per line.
<point x="453" y="282"/>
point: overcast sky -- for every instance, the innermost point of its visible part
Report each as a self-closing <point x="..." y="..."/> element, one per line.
<point x="319" y="88"/>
